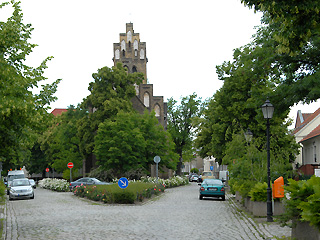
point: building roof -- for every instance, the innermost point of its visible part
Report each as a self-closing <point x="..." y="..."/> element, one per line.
<point x="58" y="111"/>
<point x="303" y="119"/>
<point x="314" y="133"/>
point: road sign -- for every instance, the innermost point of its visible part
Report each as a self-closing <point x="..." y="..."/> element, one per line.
<point x="156" y="159"/>
<point x="70" y="165"/>
<point x="211" y="168"/>
<point x="47" y="169"/>
<point x="123" y="182"/>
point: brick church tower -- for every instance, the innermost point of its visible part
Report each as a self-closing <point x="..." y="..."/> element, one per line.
<point x="132" y="53"/>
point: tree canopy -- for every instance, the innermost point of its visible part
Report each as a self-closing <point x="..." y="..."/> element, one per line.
<point x="22" y="113"/>
<point x="131" y="141"/>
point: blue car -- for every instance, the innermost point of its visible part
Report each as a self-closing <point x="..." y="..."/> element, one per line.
<point x="212" y="188"/>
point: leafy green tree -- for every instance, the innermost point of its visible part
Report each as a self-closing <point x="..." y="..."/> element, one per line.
<point x="183" y="120"/>
<point x="130" y="141"/>
<point x="111" y="92"/>
<point x="22" y="113"/>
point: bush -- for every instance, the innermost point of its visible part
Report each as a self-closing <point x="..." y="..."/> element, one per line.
<point x="2" y="191"/>
<point x="103" y="175"/>
<point x="259" y="192"/>
<point x="124" y="197"/>
<point x="194" y="170"/>
<point x="303" y="201"/>
<point x="59" y="185"/>
<point x="242" y="186"/>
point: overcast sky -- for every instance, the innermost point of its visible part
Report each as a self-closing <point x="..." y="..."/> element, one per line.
<point x="185" y="41"/>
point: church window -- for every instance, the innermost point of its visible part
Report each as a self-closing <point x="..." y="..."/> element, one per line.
<point x="135" y="44"/>
<point x="146" y="99"/>
<point x="137" y="89"/>
<point x="123" y="53"/>
<point x="129" y="44"/>
<point x="117" y="54"/>
<point x="141" y="54"/>
<point x="134" y="69"/>
<point x="135" y="52"/>
<point x="157" y="110"/>
<point x="129" y="36"/>
<point x="123" y="45"/>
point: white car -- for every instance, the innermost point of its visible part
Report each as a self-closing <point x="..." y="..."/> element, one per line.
<point x="20" y="189"/>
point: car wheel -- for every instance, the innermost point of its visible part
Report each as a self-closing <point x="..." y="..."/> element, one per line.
<point x="223" y="198"/>
<point x="32" y="197"/>
<point x="10" y="198"/>
<point x="200" y="197"/>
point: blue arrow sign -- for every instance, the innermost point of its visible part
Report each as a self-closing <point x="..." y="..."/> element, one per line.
<point x="123" y="182"/>
<point x="211" y="168"/>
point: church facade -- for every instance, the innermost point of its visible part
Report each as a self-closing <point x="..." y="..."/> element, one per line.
<point x="132" y="53"/>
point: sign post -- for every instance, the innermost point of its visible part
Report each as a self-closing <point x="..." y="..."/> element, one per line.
<point x="70" y="165"/>
<point x="157" y="159"/>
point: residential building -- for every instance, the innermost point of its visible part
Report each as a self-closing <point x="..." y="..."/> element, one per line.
<point x="307" y="134"/>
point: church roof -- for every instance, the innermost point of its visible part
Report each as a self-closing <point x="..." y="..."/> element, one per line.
<point x="58" y="111"/>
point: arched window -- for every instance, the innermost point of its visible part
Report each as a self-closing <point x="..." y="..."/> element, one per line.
<point x="137" y="89"/>
<point x="157" y="110"/>
<point x="135" y="52"/>
<point x="129" y="36"/>
<point x="135" y="44"/>
<point x="146" y="99"/>
<point x="141" y="54"/>
<point x="134" y="69"/>
<point x="123" y="53"/>
<point x="117" y="54"/>
<point x="129" y="44"/>
<point x="123" y="45"/>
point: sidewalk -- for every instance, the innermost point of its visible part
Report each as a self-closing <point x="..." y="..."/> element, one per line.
<point x="267" y="230"/>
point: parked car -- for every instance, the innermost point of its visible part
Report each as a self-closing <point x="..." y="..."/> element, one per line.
<point x="33" y="183"/>
<point x="20" y="189"/>
<point x="194" y="178"/>
<point x="15" y="174"/>
<point x="212" y="188"/>
<point x="206" y="175"/>
<point x="191" y="175"/>
<point x="87" y="181"/>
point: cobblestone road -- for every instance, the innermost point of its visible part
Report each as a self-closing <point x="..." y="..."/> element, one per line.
<point x="177" y="214"/>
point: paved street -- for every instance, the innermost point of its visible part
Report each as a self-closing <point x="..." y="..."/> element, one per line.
<point x="177" y="214"/>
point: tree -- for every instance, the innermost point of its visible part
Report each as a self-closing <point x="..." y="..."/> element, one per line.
<point x="22" y="113"/>
<point x="182" y="123"/>
<point x="111" y="92"/>
<point x="130" y="141"/>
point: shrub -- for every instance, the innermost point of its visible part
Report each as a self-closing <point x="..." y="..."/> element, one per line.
<point x="59" y="185"/>
<point x="124" y="197"/>
<point x="194" y="170"/>
<point x="303" y="201"/>
<point x="2" y="191"/>
<point x="101" y="174"/>
<point x="259" y="192"/>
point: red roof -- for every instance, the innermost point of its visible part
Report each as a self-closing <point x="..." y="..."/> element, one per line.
<point x="314" y="133"/>
<point x="307" y="117"/>
<point x="58" y="111"/>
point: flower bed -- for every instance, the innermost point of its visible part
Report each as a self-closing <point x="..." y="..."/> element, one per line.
<point x="59" y="185"/>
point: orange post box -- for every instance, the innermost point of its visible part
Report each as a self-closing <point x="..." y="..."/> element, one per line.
<point x="277" y="188"/>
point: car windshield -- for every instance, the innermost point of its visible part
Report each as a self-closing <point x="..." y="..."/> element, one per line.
<point x="22" y="182"/>
<point x="212" y="182"/>
<point x="18" y="176"/>
<point x="96" y="180"/>
<point x="207" y="174"/>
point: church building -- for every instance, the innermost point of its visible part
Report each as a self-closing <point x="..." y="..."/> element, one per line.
<point x="132" y="53"/>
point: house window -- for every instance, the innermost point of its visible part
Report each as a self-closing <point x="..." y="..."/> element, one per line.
<point x="141" y="54"/>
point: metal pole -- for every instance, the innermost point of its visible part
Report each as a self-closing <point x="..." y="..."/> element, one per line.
<point x="157" y="171"/>
<point x="269" y="200"/>
<point x="70" y="175"/>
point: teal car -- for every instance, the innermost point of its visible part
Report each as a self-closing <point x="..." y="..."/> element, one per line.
<point x="212" y="188"/>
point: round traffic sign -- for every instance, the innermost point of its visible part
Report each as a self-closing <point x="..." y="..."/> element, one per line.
<point x="123" y="182"/>
<point x="70" y="165"/>
<point x="156" y="159"/>
<point x="47" y="169"/>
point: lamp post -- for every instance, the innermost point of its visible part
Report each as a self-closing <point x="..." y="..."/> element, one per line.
<point x="267" y="110"/>
<point x="248" y="135"/>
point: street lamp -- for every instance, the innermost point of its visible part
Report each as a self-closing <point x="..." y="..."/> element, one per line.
<point x="248" y="135"/>
<point x="267" y="110"/>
